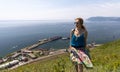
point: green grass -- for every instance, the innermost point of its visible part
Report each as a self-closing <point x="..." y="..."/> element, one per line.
<point x="105" y="58"/>
<point x="60" y="63"/>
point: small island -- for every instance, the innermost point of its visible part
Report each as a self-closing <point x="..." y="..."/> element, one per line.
<point x="100" y="18"/>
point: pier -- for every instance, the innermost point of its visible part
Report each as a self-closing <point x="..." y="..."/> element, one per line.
<point x="43" y="41"/>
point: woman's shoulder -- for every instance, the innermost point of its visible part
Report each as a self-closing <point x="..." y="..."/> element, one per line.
<point x="85" y="33"/>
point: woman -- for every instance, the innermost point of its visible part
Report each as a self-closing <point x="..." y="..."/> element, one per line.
<point x="78" y="37"/>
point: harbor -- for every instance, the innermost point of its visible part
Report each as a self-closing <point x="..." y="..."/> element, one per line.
<point x="30" y="54"/>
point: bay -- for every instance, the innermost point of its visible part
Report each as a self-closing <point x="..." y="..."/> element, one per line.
<point x="15" y="35"/>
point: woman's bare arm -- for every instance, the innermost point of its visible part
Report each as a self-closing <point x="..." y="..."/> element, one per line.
<point x="71" y="33"/>
<point x="86" y="35"/>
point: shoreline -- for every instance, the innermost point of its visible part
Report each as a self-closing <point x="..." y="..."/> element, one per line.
<point x="54" y="53"/>
<point x="58" y="52"/>
<point x="29" y="54"/>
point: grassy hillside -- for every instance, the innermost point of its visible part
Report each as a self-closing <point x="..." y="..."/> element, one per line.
<point x="105" y="58"/>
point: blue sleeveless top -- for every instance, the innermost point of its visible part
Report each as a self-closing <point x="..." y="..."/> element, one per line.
<point x="78" y="41"/>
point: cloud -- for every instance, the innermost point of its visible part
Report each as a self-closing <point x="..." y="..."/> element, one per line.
<point x="44" y="10"/>
<point x="104" y="9"/>
<point x="108" y="9"/>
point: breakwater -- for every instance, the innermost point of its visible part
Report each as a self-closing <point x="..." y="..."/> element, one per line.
<point x="43" y="41"/>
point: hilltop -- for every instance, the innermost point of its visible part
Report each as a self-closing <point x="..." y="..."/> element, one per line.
<point x="105" y="59"/>
<point x="100" y="18"/>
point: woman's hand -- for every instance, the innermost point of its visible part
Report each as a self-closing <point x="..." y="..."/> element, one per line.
<point x="70" y="48"/>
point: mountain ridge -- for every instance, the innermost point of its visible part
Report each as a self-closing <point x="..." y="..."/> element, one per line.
<point x="101" y="18"/>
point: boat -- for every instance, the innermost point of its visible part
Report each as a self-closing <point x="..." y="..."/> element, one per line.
<point x="65" y="38"/>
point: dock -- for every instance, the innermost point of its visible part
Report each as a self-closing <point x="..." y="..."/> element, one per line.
<point x="43" y="41"/>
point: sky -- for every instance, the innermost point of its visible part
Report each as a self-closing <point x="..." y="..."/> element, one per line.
<point x="57" y="9"/>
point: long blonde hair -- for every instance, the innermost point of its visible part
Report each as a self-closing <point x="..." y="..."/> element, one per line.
<point x="81" y="22"/>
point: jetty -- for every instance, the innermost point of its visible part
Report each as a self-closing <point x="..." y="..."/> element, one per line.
<point x="43" y="41"/>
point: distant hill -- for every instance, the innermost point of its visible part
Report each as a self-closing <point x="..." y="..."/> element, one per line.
<point x="103" y="19"/>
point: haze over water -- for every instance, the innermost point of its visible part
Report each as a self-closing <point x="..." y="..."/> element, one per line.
<point x="15" y="35"/>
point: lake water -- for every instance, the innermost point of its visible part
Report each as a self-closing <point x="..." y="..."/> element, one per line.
<point x="15" y="35"/>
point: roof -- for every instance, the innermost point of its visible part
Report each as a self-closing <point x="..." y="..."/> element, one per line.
<point x="1" y="61"/>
